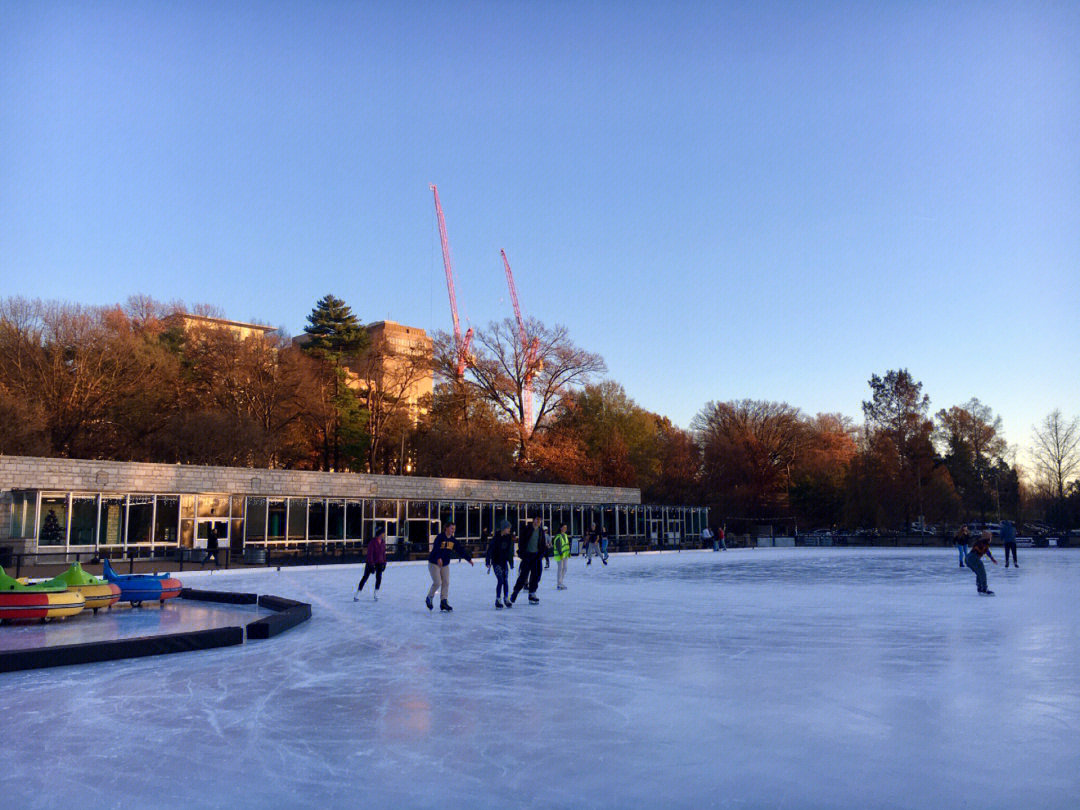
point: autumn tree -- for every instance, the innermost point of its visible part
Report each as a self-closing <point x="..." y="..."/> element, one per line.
<point x="458" y="438"/>
<point x="972" y="446"/>
<point x="748" y="449"/>
<point x="820" y="469"/>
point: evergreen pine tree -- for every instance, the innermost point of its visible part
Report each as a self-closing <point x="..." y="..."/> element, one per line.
<point x="334" y="329"/>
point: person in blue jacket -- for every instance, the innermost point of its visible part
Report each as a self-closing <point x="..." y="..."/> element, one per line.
<point x="1008" y="540"/>
<point x="443" y="548"/>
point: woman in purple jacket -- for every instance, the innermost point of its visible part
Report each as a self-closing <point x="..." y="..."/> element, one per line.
<point x="375" y="561"/>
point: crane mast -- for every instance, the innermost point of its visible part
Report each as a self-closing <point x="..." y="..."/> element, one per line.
<point x="529" y="351"/>
<point x="461" y="344"/>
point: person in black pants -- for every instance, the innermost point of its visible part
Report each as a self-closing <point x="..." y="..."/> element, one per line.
<point x="533" y="548"/>
<point x="211" y="547"/>
<point x="499" y="558"/>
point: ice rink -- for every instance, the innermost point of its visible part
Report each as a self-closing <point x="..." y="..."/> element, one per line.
<point x="786" y="678"/>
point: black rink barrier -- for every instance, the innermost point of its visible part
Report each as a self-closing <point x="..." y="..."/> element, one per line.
<point x="289" y="614"/>
<point x="69" y="654"/>
<point x="225" y="597"/>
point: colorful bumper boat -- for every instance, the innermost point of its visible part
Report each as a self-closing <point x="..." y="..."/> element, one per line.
<point x="139" y="588"/>
<point x="97" y="592"/>
<point x="44" y="600"/>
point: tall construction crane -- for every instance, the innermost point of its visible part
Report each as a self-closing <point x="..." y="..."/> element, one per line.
<point x="461" y="344"/>
<point x="530" y="351"/>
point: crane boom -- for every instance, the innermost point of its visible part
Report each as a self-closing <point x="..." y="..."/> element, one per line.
<point x="461" y="344"/>
<point x="514" y="298"/>
<point x="529" y="351"/>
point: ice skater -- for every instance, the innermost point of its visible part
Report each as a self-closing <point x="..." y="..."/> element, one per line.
<point x="603" y="545"/>
<point x="374" y="562"/>
<point x="533" y="551"/>
<point x="442" y="548"/>
<point x="721" y="537"/>
<point x="561" y="546"/>
<point x="707" y="537"/>
<point x="1008" y="540"/>
<point x="592" y="544"/>
<point x="979" y="547"/>
<point x="211" y="547"/>
<point x="961" y="541"/>
<point x="500" y="558"/>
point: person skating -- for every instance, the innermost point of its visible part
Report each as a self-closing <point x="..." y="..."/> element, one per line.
<point x="961" y="541"/>
<point x="374" y="562"/>
<point x="499" y="558"/>
<point x="533" y="551"/>
<point x="442" y="548"/>
<point x="561" y="546"/>
<point x="592" y="544"/>
<point x="721" y="537"/>
<point x="603" y="545"/>
<point x="707" y="537"/>
<point x="1008" y="540"/>
<point x="979" y="547"/>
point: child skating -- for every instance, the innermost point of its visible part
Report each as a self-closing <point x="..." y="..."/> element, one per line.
<point x="978" y="548"/>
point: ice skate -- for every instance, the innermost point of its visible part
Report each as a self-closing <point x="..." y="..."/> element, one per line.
<point x="444" y="605"/>
<point x="375" y="596"/>
<point x="498" y="604"/>
<point x="356" y="598"/>
<point x="987" y="592"/>
<point x="427" y="601"/>
<point x="534" y="599"/>
<point x="509" y="603"/>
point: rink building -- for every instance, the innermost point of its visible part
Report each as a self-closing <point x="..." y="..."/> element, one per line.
<point x="129" y="509"/>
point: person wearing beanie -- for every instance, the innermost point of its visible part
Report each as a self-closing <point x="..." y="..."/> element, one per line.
<point x="499" y="558"/>
<point x="979" y="547"/>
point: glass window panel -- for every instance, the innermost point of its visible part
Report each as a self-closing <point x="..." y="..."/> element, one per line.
<point x="472" y="528"/>
<point x="111" y="525"/>
<point x="621" y="524"/>
<point x="213" y="506"/>
<point x="238" y="506"/>
<point x="140" y="518"/>
<point x="418" y="510"/>
<point x="255" y="523"/>
<point x="354" y="520"/>
<point x="275" y="519"/>
<point x="386" y="508"/>
<point x="512" y="516"/>
<point x="166" y="519"/>
<point x="54" y="519"/>
<point x="575" y="523"/>
<point x="83" y="520"/>
<point x="486" y="518"/>
<point x="297" y="519"/>
<point x="335" y="520"/>
<point x="23" y="514"/>
<point x="316" y="519"/>
<point x="499" y="510"/>
<point x="187" y="506"/>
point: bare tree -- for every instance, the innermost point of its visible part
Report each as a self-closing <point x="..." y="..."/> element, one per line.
<point x="1056" y="451"/>
<point x="502" y="365"/>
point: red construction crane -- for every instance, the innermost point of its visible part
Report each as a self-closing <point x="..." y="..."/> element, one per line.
<point x="461" y="344"/>
<point x="530" y="351"/>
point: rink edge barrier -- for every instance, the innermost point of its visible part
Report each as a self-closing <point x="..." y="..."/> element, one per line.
<point x="138" y="647"/>
<point x="287" y="614"/>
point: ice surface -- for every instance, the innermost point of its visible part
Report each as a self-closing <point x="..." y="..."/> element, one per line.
<point x="784" y="678"/>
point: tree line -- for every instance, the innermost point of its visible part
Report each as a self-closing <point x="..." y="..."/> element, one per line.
<point x="135" y="382"/>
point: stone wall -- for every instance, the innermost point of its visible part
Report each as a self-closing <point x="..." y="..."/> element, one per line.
<point x="79" y="475"/>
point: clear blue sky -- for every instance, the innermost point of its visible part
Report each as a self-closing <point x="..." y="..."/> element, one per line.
<point x="763" y="200"/>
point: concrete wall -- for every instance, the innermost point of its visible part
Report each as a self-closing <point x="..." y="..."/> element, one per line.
<point x="62" y="474"/>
